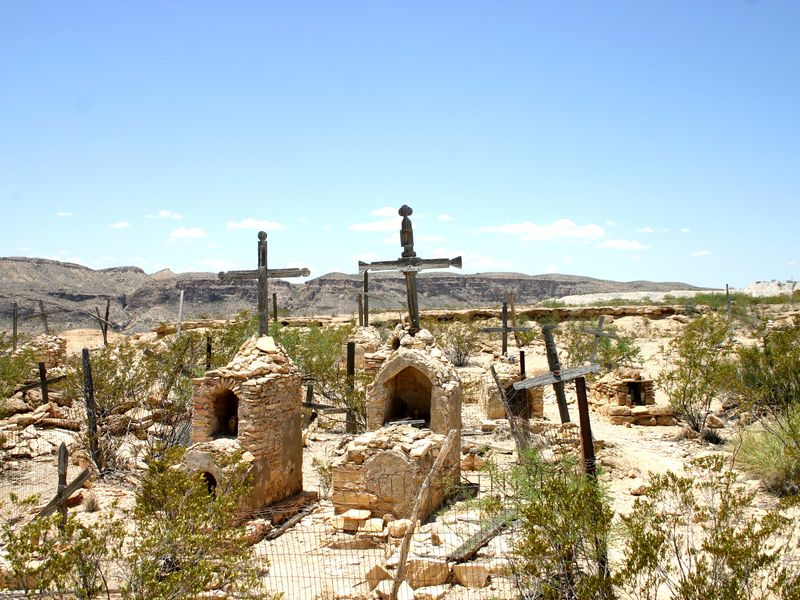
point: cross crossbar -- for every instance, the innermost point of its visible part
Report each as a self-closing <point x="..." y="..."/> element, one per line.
<point x="271" y="273"/>
<point x="562" y="376"/>
<point x="409" y="265"/>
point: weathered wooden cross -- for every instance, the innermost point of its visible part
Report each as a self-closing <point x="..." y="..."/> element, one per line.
<point x="408" y="264"/>
<point x="598" y="333"/>
<point x="64" y="490"/>
<point x="43" y="314"/>
<point x="262" y="275"/>
<point x="505" y="329"/>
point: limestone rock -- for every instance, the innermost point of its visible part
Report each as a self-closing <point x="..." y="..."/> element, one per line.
<point x="714" y="422"/>
<point x="422" y="572"/>
<point x="431" y="592"/>
<point x="398" y="527"/>
<point x="471" y="575"/>
<point x="377" y="574"/>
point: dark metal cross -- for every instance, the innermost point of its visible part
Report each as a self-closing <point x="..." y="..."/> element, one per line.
<point x="505" y="329"/>
<point x="408" y="264"/>
<point x="262" y="275"/>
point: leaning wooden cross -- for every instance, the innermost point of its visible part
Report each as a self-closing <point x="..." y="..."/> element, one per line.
<point x="43" y="314"/>
<point x="598" y="333"/>
<point x="262" y="274"/>
<point x="408" y="264"/>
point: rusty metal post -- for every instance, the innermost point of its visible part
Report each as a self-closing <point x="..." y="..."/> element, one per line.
<point x="522" y="373"/>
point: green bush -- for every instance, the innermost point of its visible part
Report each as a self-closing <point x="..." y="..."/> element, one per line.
<point x="697" y="537"/>
<point x="457" y="339"/>
<point x="15" y="368"/>
<point x="576" y="347"/>
<point x="563" y="521"/>
<point x="697" y="369"/>
<point x="763" y="453"/>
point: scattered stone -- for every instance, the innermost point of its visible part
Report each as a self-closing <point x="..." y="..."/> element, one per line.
<point x="471" y="575"/>
<point x="422" y="572"/>
<point x="377" y="574"/>
<point x="431" y="592"/>
<point x="714" y="422"/>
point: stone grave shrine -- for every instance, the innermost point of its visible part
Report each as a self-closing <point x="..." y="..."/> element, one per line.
<point x="625" y="396"/>
<point x="527" y="403"/>
<point x="252" y="405"/>
<point x="413" y="403"/>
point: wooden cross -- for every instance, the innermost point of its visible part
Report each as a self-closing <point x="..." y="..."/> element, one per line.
<point x="408" y="264"/>
<point x="262" y="275"/>
<point x="42" y="383"/>
<point x="555" y="367"/>
<point x="64" y="490"/>
<point x="43" y="314"/>
<point x="505" y="329"/>
<point x="598" y="333"/>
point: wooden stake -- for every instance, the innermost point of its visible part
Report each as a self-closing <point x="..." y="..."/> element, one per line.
<point x="360" y="311"/>
<point x="366" y="299"/>
<point x="208" y="352"/>
<point x="43" y="383"/>
<point x="350" y="425"/>
<point x="180" y="315"/>
<point x="62" y="482"/>
<point x="512" y="306"/>
<point x="274" y="307"/>
<point x="449" y="441"/>
<point x="91" y="416"/>
<point x="44" y="318"/>
<point x="522" y="364"/>
<point x="14" y="319"/>
<point x="555" y="367"/>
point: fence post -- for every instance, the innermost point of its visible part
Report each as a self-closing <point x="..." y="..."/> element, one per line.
<point x="14" y="319"/>
<point x="62" y="482"/>
<point x="91" y="414"/>
<point x="180" y="315"/>
<point x="274" y="307"/>
<point x="366" y="299"/>
<point x="43" y="383"/>
<point x="351" y="426"/>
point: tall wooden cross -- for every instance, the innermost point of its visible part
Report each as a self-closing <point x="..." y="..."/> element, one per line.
<point x="598" y="333"/>
<point x="408" y="264"/>
<point x="262" y="275"/>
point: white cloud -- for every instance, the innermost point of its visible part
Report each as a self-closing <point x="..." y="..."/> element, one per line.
<point x="623" y="245"/>
<point x="685" y="230"/>
<point x="444" y="217"/>
<point x="326" y="227"/>
<point x="386" y="211"/>
<point x="119" y="225"/>
<point x="636" y="257"/>
<point x="217" y="264"/>
<point x="187" y="232"/>
<point x="702" y="253"/>
<point x="390" y="224"/>
<point x="165" y="214"/>
<point x="610" y="223"/>
<point x="213" y="245"/>
<point x="791" y="263"/>
<point x="645" y="229"/>
<point x="258" y="225"/>
<point x="560" y="229"/>
<point x="551" y="269"/>
<point x="63" y="213"/>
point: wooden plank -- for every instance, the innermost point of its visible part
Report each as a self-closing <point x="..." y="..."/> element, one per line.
<point x="563" y="376"/>
<point x="555" y="368"/>
<point x="447" y="445"/>
<point x="30" y="386"/>
<point x="271" y="273"/>
<point x="470" y="547"/>
<point x="62" y="496"/>
<point x="517" y="432"/>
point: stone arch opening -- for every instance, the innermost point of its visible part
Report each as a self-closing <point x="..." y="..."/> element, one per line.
<point x="224" y="414"/>
<point x="409" y="397"/>
<point x="636" y="393"/>
<point x="211" y="483"/>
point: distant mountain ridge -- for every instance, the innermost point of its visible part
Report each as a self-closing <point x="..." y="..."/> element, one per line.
<point x="140" y="301"/>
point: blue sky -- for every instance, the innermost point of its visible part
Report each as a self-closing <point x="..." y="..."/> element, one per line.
<point x="621" y="140"/>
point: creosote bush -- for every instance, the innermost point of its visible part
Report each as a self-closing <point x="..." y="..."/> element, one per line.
<point x="696" y="537"/>
<point x="698" y="369"/>
<point x="577" y="346"/>
<point x="457" y="339"/>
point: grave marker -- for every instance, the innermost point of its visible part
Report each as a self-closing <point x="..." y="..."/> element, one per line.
<point x="262" y="274"/>
<point x="409" y="264"/>
<point x="505" y="329"/>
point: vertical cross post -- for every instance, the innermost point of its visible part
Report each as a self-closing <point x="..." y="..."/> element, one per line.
<point x="43" y="315"/>
<point x="14" y="319"/>
<point x="274" y="307"/>
<point x="91" y="414"/>
<point x="180" y="315"/>
<point x="598" y="333"/>
<point x="62" y="483"/>
<point x="366" y="299"/>
<point x="351" y="426"/>
<point x="360" y="302"/>
<point x="522" y="364"/>
<point x="512" y="297"/>
<point x="555" y="367"/>
<point x="208" y="352"/>
<point x="43" y="383"/>
<point x="505" y="328"/>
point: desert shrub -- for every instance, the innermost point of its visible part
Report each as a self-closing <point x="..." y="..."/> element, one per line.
<point x="72" y="562"/>
<point x="15" y="368"/>
<point x="562" y="522"/>
<point x="697" y="369"/>
<point x="185" y="539"/>
<point x="324" y="470"/>
<point x="458" y="339"/>
<point x="576" y="346"/>
<point x="696" y="537"/>
<point x="226" y="341"/>
<point x="766" y="456"/>
<point x="320" y="355"/>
